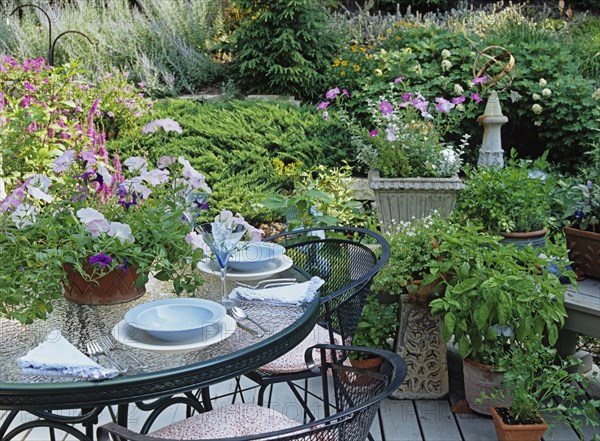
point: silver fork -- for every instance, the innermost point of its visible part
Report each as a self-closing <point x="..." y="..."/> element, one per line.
<point x="268" y="283"/>
<point x="94" y="349"/>
<point x="109" y="345"/>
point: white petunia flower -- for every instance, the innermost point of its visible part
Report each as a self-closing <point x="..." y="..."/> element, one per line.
<point x="537" y="109"/>
<point x="36" y="193"/>
<point x="121" y="232"/>
<point x="87" y="215"/>
<point x="24" y="215"/>
<point x="136" y="164"/>
<point x="97" y="226"/>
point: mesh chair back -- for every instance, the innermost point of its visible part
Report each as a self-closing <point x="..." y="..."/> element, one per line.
<point x="343" y="258"/>
<point x="351" y="399"/>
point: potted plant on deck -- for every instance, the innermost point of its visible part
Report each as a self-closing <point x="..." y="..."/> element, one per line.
<point x="533" y="381"/>
<point x="579" y="200"/>
<point x="92" y="219"/>
<point x="511" y="201"/>
<point x="376" y="329"/>
<point x="496" y="296"/>
<point x="411" y="169"/>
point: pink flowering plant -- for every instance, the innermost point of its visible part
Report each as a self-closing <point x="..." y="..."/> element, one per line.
<point x="98" y="213"/>
<point x="45" y="110"/>
<point x="403" y="135"/>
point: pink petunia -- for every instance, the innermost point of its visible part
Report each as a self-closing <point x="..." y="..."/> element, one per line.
<point x="332" y="93"/>
<point x="386" y="108"/>
<point x="323" y="105"/>
<point x="476" y="97"/>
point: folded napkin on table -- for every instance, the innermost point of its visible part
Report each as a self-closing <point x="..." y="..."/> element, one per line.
<point x="295" y="294"/>
<point x="55" y="356"/>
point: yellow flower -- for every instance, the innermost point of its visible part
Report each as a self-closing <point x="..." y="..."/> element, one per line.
<point x="354" y="48"/>
<point x="344" y="63"/>
<point x="356" y="68"/>
<point x="343" y="73"/>
<point x="336" y="62"/>
<point x="363" y="49"/>
<point x="378" y="72"/>
<point x="368" y="57"/>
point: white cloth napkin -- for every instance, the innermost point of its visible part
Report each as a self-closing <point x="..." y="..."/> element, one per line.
<point x="56" y="356"/>
<point x="296" y="294"/>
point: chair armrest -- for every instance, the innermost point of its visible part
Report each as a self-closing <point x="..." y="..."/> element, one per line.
<point x="104" y="432"/>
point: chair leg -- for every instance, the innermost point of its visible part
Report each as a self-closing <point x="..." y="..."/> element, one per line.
<point x="238" y="388"/>
<point x="260" y="400"/>
<point x="305" y="398"/>
<point x="380" y="418"/>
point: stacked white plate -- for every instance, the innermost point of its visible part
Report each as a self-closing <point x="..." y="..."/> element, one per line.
<point x="174" y="325"/>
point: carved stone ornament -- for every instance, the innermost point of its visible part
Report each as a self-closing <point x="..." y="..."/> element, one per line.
<point x="421" y="345"/>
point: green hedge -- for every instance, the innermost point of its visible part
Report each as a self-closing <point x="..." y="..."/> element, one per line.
<point x="235" y="142"/>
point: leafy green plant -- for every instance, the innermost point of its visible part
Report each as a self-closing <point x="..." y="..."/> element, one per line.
<point x="532" y="382"/>
<point x="497" y="295"/>
<point x="512" y="198"/>
<point x="282" y="46"/>
<point x="414" y="247"/>
<point x="322" y="197"/>
<point x="378" y="324"/>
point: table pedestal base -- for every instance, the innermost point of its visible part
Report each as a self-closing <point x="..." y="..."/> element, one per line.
<point x="420" y="344"/>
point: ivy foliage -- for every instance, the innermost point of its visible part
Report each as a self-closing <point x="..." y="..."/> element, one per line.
<point x="282" y="46"/>
<point x="239" y="144"/>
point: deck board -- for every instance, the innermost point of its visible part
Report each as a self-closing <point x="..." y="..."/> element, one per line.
<point x="400" y="421"/>
<point x="437" y="420"/>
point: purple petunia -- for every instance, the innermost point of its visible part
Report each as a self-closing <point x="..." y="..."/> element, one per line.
<point x="385" y="107"/>
<point x="323" y="105"/>
<point x="100" y="259"/>
<point x="332" y="93"/>
<point x="476" y="97"/>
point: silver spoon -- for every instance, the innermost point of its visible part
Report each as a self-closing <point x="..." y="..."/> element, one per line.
<point x="239" y="314"/>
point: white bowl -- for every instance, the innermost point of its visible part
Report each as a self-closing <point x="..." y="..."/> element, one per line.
<point x="175" y="319"/>
<point x="252" y="256"/>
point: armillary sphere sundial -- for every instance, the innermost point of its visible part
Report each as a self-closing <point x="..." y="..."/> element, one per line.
<point x="495" y="63"/>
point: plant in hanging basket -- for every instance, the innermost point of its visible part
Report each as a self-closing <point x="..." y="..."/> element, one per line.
<point x="91" y="217"/>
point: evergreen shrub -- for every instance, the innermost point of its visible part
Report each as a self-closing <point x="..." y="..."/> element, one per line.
<point x="239" y="144"/>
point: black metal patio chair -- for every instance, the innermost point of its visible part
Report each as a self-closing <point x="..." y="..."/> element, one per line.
<point x="351" y="398"/>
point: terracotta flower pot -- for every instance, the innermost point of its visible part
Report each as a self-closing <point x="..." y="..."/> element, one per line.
<point x="516" y="432"/>
<point x="117" y="286"/>
<point x="479" y="378"/>
<point x="371" y="364"/>
<point x="584" y="250"/>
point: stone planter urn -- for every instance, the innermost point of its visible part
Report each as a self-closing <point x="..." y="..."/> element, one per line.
<point x="402" y="199"/>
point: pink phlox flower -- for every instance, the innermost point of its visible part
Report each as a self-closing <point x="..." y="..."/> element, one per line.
<point x="332" y="93"/>
<point x="345" y="93"/>
<point x="420" y="104"/>
<point x="165" y="161"/>
<point x="458" y="100"/>
<point x="398" y="80"/>
<point x="480" y="80"/>
<point x="135" y="164"/>
<point x="373" y="133"/>
<point x="26" y="101"/>
<point x="118" y="169"/>
<point x="155" y="177"/>
<point x="32" y="127"/>
<point x="406" y="96"/>
<point x="93" y="111"/>
<point x="28" y="86"/>
<point x="476" y="97"/>
<point x="385" y="107"/>
<point x="323" y="105"/>
<point x="443" y="105"/>
<point x="391" y="134"/>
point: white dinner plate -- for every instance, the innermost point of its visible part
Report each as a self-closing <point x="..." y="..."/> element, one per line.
<point x="277" y="265"/>
<point x="137" y="338"/>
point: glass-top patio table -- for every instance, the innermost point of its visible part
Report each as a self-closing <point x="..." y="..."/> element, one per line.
<point x="166" y="375"/>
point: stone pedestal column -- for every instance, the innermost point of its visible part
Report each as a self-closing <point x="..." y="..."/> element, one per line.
<point x="491" y="152"/>
<point x="421" y="345"/>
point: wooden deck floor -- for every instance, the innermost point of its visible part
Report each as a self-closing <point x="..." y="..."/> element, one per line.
<point x="404" y="420"/>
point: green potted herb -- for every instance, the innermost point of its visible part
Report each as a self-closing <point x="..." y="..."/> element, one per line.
<point x="511" y="201"/>
<point x="532" y="381"/>
<point x="496" y="296"/>
<point x="414" y="247"/>
<point x="376" y="329"/>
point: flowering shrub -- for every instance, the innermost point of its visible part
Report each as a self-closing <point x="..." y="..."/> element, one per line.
<point x="43" y="110"/>
<point x="404" y="135"/>
<point x="94" y="213"/>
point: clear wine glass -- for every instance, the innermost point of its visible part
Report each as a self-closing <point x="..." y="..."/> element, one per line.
<point x="222" y="241"/>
